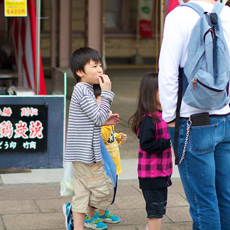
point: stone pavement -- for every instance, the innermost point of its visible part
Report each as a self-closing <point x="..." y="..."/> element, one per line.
<point x="39" y="207"/>
<point x="32" y="201"/>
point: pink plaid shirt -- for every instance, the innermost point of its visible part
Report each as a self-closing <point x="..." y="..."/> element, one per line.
<point x="151" y="165"/>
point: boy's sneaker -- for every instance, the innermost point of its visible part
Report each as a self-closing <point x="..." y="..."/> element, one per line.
<point x="68" y="216"/>
<point x="108" y="217"/>
<point x="94" y="223"/>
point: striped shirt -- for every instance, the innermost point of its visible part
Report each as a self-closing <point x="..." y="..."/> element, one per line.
<point x="86" y="117"/>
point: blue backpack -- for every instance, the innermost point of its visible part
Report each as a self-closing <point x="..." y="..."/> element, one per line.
<point x="204" y="80"/>
<point x="205" y="75"/>
<point x="109" y="165"/>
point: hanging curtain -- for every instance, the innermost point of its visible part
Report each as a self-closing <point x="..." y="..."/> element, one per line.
<point x="24" y="33"/>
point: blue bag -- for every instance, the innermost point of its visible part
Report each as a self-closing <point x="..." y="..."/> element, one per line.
<point x="206" y="72"/>
<point x="109" y="165"/>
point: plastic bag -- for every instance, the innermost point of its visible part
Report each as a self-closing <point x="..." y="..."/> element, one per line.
<point x="66" y="183"/>
<point x="109" y="165"/>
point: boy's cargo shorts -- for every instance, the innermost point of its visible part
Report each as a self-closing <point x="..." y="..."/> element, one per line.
<point x="91" y="186"/>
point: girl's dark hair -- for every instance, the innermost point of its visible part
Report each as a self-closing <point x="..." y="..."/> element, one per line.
<point x="228" y="3"/>
<point x="146" y="100"/>
<point x="97" y="90"/>
<point x="81" y="57"/>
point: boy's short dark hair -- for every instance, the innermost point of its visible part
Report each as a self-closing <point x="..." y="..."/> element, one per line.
<point x="81" y="57"/>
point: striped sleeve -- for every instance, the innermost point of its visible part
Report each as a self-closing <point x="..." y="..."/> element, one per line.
<point x="98" y="113"/>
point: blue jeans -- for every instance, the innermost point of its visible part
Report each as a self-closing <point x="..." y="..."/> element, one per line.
<point x="205" y="172"/>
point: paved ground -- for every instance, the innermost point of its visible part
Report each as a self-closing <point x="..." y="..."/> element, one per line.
<point x="32" y="200"/>
<point x="39" y="207"/>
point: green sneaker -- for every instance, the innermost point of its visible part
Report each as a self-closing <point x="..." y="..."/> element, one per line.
<point x="108" y="217"/>
<point x="94" y="223"/>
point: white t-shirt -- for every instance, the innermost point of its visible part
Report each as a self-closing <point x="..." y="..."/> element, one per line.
<point x="177" y="30"/>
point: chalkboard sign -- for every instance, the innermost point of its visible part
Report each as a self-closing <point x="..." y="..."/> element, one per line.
<point x="51" y="115"/>
<point x="23" y="128"/>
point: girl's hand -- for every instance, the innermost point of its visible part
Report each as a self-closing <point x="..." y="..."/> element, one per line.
<point x="123" y="138"/>
<point x="105" y="82"/>
<point x="113" y="119"/>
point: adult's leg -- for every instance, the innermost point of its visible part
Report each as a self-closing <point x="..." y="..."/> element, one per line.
<point x="197" y="172"/>
<point x="222" y="162"/>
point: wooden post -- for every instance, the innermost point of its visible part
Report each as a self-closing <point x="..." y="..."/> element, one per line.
<point x="95" y="25"/>
<point x="163" y="10"/>
<point x="65" y="32"/>
<point x="53" y="32"/>
<point x="38" y="9"/>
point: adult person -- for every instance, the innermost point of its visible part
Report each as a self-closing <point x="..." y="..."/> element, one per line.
<point x="205" y="169"/>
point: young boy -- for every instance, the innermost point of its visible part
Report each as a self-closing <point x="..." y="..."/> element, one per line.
<point x="91" y="185"/>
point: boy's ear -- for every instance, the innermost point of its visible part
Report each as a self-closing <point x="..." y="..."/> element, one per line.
<point x="80" y="73"/>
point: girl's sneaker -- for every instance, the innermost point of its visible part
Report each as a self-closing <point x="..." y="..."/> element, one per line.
<point x="108" y="217"/>
<point x="147" y="227"/>
<point x="94" y="223"/>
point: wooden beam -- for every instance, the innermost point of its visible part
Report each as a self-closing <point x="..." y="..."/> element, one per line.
<point x="65" y="31"/>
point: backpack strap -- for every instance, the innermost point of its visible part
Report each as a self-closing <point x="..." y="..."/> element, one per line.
<point x="195" y="7"/>
<point x="200" y="11"/>
<point x="177" y="121"/>
<point x="218" y="8"/>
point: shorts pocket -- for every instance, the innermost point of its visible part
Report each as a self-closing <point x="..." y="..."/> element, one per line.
<point x="98" y="186"/>
<point x="96" y="166"/>
<point x="201" y="138"/>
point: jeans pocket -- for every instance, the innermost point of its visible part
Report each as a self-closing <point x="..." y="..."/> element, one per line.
<point x="201" y="138"/>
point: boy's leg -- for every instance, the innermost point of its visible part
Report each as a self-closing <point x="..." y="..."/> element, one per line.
<point x="78" y="220"/>
<point x="100" y="186"/>
<point x="101" y="212"/>
<point x="91" y="212"/>
<point x="80" y="200"/>
<point x="93" y="188"/>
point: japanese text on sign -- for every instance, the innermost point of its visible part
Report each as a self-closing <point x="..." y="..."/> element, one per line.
<point x="15" y="8"/>
<point x="23" y="128"/>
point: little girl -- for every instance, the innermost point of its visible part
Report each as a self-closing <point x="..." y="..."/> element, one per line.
<point x="154" y="158"/>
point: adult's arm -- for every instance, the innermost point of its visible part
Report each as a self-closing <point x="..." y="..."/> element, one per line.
<point x="169" y="62"/>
